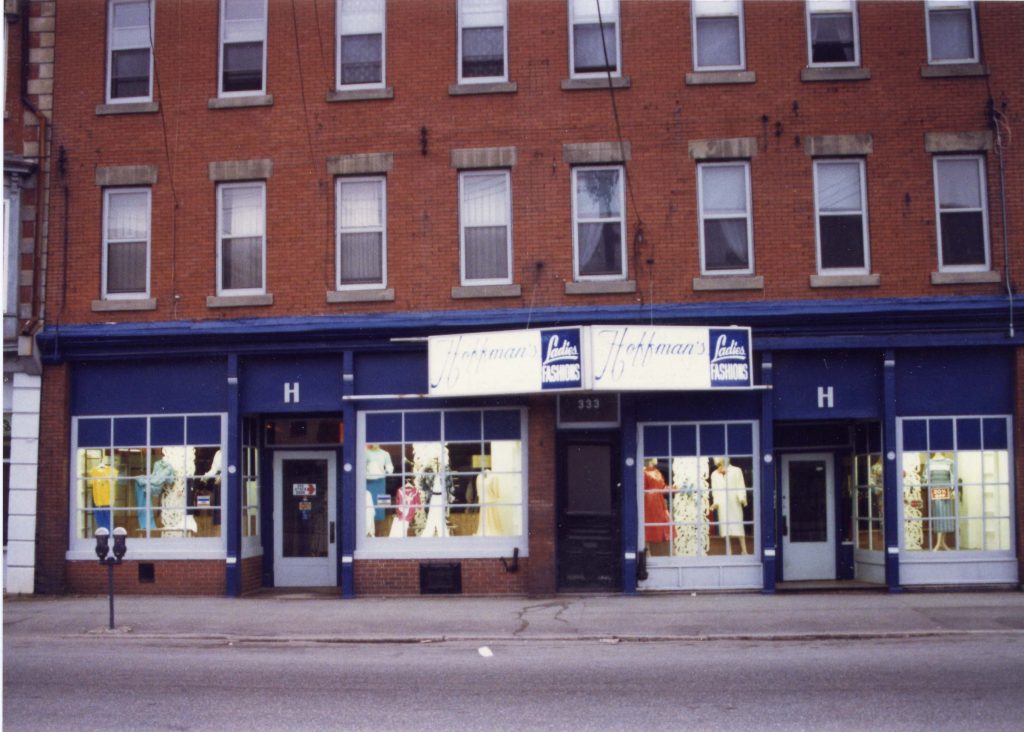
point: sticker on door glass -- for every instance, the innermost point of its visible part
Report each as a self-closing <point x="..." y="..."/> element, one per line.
<point x="303" y="489"/>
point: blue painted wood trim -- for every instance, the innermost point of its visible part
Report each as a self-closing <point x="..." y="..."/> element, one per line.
<point x="231" y="482"/>
<point x="347" y="506"/>
<point x="891" y="474"/>
<point x="769" y="496"/>
<point x="630" y="518"/>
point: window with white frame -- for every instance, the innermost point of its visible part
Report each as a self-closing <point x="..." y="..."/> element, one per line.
<point x="241" y="239"/>
<point x="129" y="51"/>
<point x="718" y="35"/>
<point x="957" y="484"/>
<point x="441" y="479"/>
<point x="360" y="52"/>
<point x="243" y="35"/>
<point x="841" y="216"/>
<point x="832" y="33"/>
<point x="485" y="214"/>
<point x="700" y="490"/>
<point x="594" y="38"/>
<point x="868" y="494"/>
<point x="599" y="222"/>
<point x="961" y="213"/>
<point x="725" y="220"/>
<point x="483" y="47"/>
<point x="250" y="486"/>
<point x="155" y="475"/>
<point x="126" y="242"/>
<point x="362" y="233"/>
<point x="952" y="32"/>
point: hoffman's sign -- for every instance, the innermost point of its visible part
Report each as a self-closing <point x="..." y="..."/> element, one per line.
<point x="590" y="358"/>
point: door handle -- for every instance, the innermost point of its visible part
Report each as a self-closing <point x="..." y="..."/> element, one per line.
<point x="785" y="526"/>
<point x="331" y="525"/>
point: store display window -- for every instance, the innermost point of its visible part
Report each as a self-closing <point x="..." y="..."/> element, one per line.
<point x="868" y="488"/>
<point x="159" y="477"/>
<point x="699" y="489"/>
<point x="250" y="487"/>
<point x="957" y="484"/>
<point x="430" y="476"/>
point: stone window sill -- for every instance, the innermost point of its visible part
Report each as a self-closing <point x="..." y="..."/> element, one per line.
<point x="867" y="280"/>
<point x="702" y="78"/>
<point x="467" y="292"/>
<point x="618" y="82"/>
<point x="115" y="306"/>
<point x="130" y="108"/>
<point x="835" y="73"/>
<point x="347" y="296"/>
<point x="497" y="87"/>
<point x="600" y="287"/>
<point x="239" y="301"/>
<point x="257" y="100"/>
<point x="945" y="71"/>
<point x="966" y="278"/>
<point x="360" y="95"/>
<point x="727" y="282"/>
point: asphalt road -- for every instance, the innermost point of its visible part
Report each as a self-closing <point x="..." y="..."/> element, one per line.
<point x="970" y="681"/>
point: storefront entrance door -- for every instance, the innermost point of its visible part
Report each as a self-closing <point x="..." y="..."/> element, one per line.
<point x="304" y="519"/>
<point x="808" y="510"/>
<point x="589" y="512"/>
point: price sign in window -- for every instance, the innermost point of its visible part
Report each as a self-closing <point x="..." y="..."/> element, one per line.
<point x="588" y="410"/>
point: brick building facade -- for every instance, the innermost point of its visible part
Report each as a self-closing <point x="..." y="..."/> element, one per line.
<point x="286" y="221"/>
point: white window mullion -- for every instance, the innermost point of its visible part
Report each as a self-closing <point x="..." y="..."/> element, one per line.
<point x="241" y="239"/>
<point x="361" y="40"/>
<point x="595" y="45"/>
<point x="361" y="257"/>
<point x="129" y="51"/>
<point x="243" y="48"/>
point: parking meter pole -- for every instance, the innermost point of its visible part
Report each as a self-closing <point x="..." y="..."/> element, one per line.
<point x="110" y="591"/>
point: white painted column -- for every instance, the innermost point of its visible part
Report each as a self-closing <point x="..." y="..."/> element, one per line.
<point x="20" y="555"/>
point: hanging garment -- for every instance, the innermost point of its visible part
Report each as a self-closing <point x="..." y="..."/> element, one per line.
<point x="729" y="492"/>
<point x="407" y="500"/>
<point x="100" y="479"/>
<point x="151" y="486"/>
<point x="656" y="507"/>
<point x="436" y="519"/>
<point x="913" y="530"/>
<point x="488" y="491"/>
<point x="173" y="516"/>
<point x="940" y="495"/>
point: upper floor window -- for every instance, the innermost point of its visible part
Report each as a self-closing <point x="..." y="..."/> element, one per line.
<point x="718" y="35"/>
<point x="129" y="52"/>
<point x="126" y="238"/>
<point x="725" y="220"/>
<point x="485" y="213"/>
<point x="962" y="213"/>
<point x="243" y="35"/>
<point x="832" y="35"/>
<point x="599" y="219"/>
<point x="483" y="49"/>
<point x="952" y="32"/>
<point x="360" y="51"/>
<point x="841" y="219"/>
<point x="241" y="239"/>
<point x="362" y="233"/>
<point x="594" y="38"/>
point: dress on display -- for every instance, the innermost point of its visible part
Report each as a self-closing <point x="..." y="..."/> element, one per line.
<point x="913" y="532"/>
<point x="174" y="519"/>
<point x="689" y="510"/>
<point x="655" y="507"/>
<point x="152" y="485"/>
<point x="729" y="492"/>
<point x="407" y="500"/>
<point x="940" y="495"/>
<point x="488" y="493"/>
<point x="378" y="466"/>
<point x="100" y="479"/>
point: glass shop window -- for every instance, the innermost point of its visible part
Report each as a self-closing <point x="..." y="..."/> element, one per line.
<point x="443" y="474"/>
<point x="956" y="484"/>
<point x="699" y="489"/>
<point x="250" y="482"/>
<point x="305" y="431"/>
<point x="158" y="477"/>
<point x="868" y="484"/>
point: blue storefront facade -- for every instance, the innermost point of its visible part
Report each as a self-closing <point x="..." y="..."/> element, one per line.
<point x="875" y="441"/>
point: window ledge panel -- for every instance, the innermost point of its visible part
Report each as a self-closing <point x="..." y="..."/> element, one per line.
<point x="129" y="108"/>
<point x="360" y="95"/>
<point x="835" y="73"/>
<point x="862" y="280"/>
<point x="467" y="292"/>
<point x="113" y="306"/>
<point x="346" y="296"/>
<point x="945" y="71"/>
<point x="257" y="100"/>
<point x="238" y="301"/>
<point x="728" y="282"/>
<point x="966" y="278"/>
<point x="496" y="87"/>
<point x="618" y="82"/>
<point x="703" y="78"/>
<point x="600" y="287"/>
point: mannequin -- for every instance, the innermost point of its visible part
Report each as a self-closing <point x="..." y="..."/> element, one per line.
<point x="913" y="533"/>
<point x="173" y="518"/>
<point x="690" y="507"/>
<point x="488" y="493"/>
<point x="940" y="499"/>
<point x="430" y="463"/>
<point x="657" y="522"/>
<point x="150" y="486"/>
<point x="378" y="467"/>
<point x="101" y="478"/>
<point x="407" y="501"/>
<point x="729" y="497"/>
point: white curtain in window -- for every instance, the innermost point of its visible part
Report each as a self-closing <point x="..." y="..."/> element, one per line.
<point x="599" y="196"/>
<point x="359" y="17"/>
<point x="724" y="189"/>
<point x="242" y="211"/>
<point x="360" y="204"/>
<point x="361" y="232"/>
<point x="127" y="237"/>
<point x="128" y="216"/>
<point x="959" y="186"/>
<point x="482" y="13"/>
<point x="485" y="225"/>
<point x="951" y="34"/>
<point x="243" y="20"/>
<point x="839" y="187"/>
<point x="130" y="25"/>
<point x="586" y="11"/>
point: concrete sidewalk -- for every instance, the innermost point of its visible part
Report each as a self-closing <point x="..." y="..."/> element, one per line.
<point x="309" y="617"/>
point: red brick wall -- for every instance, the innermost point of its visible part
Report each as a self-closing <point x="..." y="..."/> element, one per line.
<point x="542" y="508"/>
<point x="170" y="578"/>
<point x="252" y="574"/>
<point x="402" y="577"/>
<point x="659" y="114"/>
